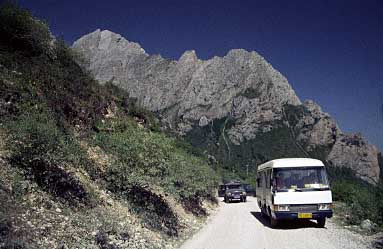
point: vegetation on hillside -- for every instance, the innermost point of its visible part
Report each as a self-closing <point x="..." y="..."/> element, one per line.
<point x="363" y="201"/>
<point x="80" y="157"/>
<point x="241" y="160"/>
<point x="79" y="149"/>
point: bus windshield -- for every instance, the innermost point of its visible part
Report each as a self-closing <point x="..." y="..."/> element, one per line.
<point x="300" y="179"/>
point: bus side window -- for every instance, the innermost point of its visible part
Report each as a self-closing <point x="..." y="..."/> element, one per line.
<point x="260" y="180"/>
<point x="268" y="177"/>
<point x="263" y="179"/>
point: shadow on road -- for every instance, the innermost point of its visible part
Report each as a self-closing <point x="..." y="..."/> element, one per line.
<point x="286" y="224"/>
<point x="233" y="201"/>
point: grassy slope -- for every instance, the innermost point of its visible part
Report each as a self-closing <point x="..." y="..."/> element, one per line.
<point x="81" y="165"/>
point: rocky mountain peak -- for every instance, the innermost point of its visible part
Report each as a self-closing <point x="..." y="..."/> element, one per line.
<point x="106" y="40"/>
<point x="235" y="106"/>
<point x="188" y="56"/>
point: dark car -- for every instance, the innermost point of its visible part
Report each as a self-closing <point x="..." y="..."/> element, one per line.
<point x="234" y="192"/>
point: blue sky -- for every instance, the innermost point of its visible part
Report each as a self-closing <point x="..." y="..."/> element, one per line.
<point x="330" y="51"/>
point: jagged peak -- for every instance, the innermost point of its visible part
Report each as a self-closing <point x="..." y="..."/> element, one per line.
<point x="106" y="38"/>
<point x="188" y="55"/>
<point x="244" y="53"/>
<point x="237" y="51"/>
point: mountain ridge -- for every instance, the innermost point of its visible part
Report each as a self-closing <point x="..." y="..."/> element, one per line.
<point x="240" y="94"/>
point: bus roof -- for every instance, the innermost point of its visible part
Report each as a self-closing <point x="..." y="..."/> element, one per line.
<point x="291" y="162"/>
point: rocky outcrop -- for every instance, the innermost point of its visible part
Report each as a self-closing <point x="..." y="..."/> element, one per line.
<point x="319" y="135"/>
<point x="316" y="127"/>
<point x="353" y="151"/>
<point x="232" y="100"/>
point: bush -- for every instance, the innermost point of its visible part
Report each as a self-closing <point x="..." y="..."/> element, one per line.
<point x="44" y="152"/>
<point x="154" y="210"/>
<point x="146" y="157"/>
<point x="360" y="199"/>
<point x="363" y="200"/>
<point x="149" y="159"/>
<point x="44" y="70"/>
<point x="20" y="31"/>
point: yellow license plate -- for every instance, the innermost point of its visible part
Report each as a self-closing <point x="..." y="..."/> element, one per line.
<point x="305" y="215"/>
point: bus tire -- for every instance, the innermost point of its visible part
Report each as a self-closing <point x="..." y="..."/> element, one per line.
<point x="263" y="212"/>
<point x="321" y="222"/>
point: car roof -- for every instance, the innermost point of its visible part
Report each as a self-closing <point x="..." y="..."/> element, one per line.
<point x="291" y="162"/>
<point x="233" y="183"/>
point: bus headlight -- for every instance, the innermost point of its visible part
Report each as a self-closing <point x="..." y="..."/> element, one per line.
<point x="324" y="206"/>
<point x="281" y="208"/>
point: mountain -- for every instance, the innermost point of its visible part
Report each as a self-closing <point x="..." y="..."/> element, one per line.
<point x="238" y="109"/>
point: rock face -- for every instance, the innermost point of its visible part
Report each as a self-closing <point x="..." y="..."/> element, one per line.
<point x="225" y="103"/>
<point x="316" y="127"/>
<point x="355" y="152"/>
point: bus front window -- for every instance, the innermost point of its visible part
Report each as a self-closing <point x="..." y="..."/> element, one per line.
<point x="300" y="179"/>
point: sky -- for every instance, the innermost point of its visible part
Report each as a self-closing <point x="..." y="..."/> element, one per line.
<point x="330" y="51"/>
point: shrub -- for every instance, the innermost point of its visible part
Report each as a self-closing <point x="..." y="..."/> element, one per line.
<point x="363" y="200"/>
<point x="20" y="31"/>
<point x="43" y="152"/>
<point x="154" y="210"/>
<point x="144" y="158"/>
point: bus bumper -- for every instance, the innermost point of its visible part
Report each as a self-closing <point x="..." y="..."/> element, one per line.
<point x="294" y="215"/>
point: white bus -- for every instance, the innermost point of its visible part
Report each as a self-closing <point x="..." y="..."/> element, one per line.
<point x="294" y="188"/>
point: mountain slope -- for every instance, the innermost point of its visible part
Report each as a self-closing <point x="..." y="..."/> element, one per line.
<point x="237" y="108"/>
<point x="81" y="165"/>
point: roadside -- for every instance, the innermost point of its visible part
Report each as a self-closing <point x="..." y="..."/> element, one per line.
<point x="240" y="225"/>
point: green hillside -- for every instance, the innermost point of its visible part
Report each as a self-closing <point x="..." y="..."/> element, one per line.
<point x="81" y="164"/>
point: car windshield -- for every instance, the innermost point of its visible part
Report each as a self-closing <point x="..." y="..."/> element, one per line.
<point x="234" y="186"/>
<point x="304" y="178"/>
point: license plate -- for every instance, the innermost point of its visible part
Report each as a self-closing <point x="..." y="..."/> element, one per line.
<point x="236" y="196"/>
<point x="305" y="215"/>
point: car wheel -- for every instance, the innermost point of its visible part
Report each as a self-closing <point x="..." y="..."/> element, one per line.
<point x="321" y="222"/>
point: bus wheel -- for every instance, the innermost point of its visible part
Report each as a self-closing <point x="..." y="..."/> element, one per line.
<point x="321" y="222"/>
<point x="263" y="214"/>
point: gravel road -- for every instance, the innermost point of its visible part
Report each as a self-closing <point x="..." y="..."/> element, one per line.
<point x="240" y="226"/>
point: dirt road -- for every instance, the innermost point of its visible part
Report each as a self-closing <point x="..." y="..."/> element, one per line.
<point x="240" y="226"/>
